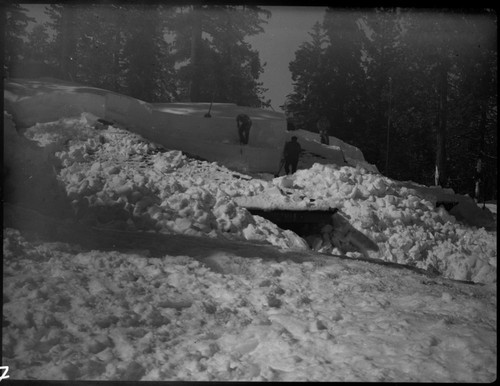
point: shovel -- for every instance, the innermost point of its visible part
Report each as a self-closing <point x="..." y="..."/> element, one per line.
<point x="282" y="162"/>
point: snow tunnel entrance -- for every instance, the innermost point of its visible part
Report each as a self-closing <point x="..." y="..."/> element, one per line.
<point x="448" y="205"/>
<point x="302" y="222"/>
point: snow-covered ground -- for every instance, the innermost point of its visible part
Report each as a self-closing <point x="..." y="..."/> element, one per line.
<point x="178" y="281"/>
<point x="109" y="315"/>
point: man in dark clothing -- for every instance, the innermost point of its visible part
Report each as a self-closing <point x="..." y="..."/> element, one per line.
<point x="323" y="126"/>
<point x="244" y="124"/>
<point x="291" y="154"/>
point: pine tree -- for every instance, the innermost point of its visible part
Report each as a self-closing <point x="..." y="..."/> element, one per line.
<point x="382" y="62"/>
<point x="64" y="22"/>
<point x="473" y="106"/>
<point x="215" y="61"/>
<point x="308" y="100"/>
<point x="328" y="78"/>
<point x="433" y="39"/>
<point x="117" y="47"/>
<point x="100" y="47"/>
<point x="142" y="52"/>
<point x="16" y="21"/>
<point x="37" y="45"/>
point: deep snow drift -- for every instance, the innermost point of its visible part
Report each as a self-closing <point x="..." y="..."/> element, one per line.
<point x="201" y="294"/>
<point x="181" y="126"/>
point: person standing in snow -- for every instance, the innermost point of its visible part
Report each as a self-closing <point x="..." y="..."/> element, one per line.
<point x="291" y="154"/>
<point x="323" y="126"/>
<point x="244" y="124"/>
<point x="290" y="121"/>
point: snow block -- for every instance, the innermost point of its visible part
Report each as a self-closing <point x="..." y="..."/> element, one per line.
<point x="469" y="212"/>
<point x="338" y="152"/>
<point x="188" y="119"/>
<point x="462" y="207"/>
<point x="133" y="114"/>
<point x="32" y="101"/>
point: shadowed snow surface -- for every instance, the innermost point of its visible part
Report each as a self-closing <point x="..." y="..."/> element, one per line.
<point x="80" y="314"/>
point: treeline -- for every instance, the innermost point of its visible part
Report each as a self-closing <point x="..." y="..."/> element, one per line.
<point x="415" y="90"/>
<point x="153" y="52"/>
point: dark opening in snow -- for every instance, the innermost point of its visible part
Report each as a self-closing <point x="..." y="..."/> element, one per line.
<point x="448" y="205"/>
<point x="302" y="222"/>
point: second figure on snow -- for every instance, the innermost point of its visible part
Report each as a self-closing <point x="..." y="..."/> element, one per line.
<point x="291" y="154"/>
<point x="323" y="126"/>
<point x="244" y="124"/>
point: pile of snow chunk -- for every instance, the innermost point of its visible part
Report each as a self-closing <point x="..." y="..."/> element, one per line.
<point x="117" y="179"/>
<point x="400" y="218"/>
<point x="403" y="222"/>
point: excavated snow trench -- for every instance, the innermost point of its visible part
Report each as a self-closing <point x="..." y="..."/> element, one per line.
<point x="302" y="222"/>
<point x="308" y="222"/>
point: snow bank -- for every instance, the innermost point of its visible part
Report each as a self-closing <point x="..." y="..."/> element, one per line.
<point x="33" y="101"/>
<point x="212" y="314"/>
<point x="117" y="179"/>
<point x="464" y="208"/>
<point x="176" y="125"/>
<point x="470" y="212"/>
<point x="404" y="222"/>
<point x="337" y="152"/>
<point x="181" y="126"/>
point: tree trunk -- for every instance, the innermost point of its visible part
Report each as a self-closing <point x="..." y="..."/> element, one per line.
<point x="195" y="87"/>
<point x="7" y="64"/>
<point x="479" y="177"/>
<point x="116" y="62"/>
<point x="388" y="127"/>
<point x="441" y="173"/>
<point x="67" y="42"/>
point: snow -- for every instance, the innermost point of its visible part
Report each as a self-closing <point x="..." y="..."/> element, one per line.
<point x="90" y="314"/>
<point x="167" y="276"/>
<point x="183" y="126"/>
<point x="178" y="125"/>
<point x="405" y="225"/>
<point x="337" y="152"/>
